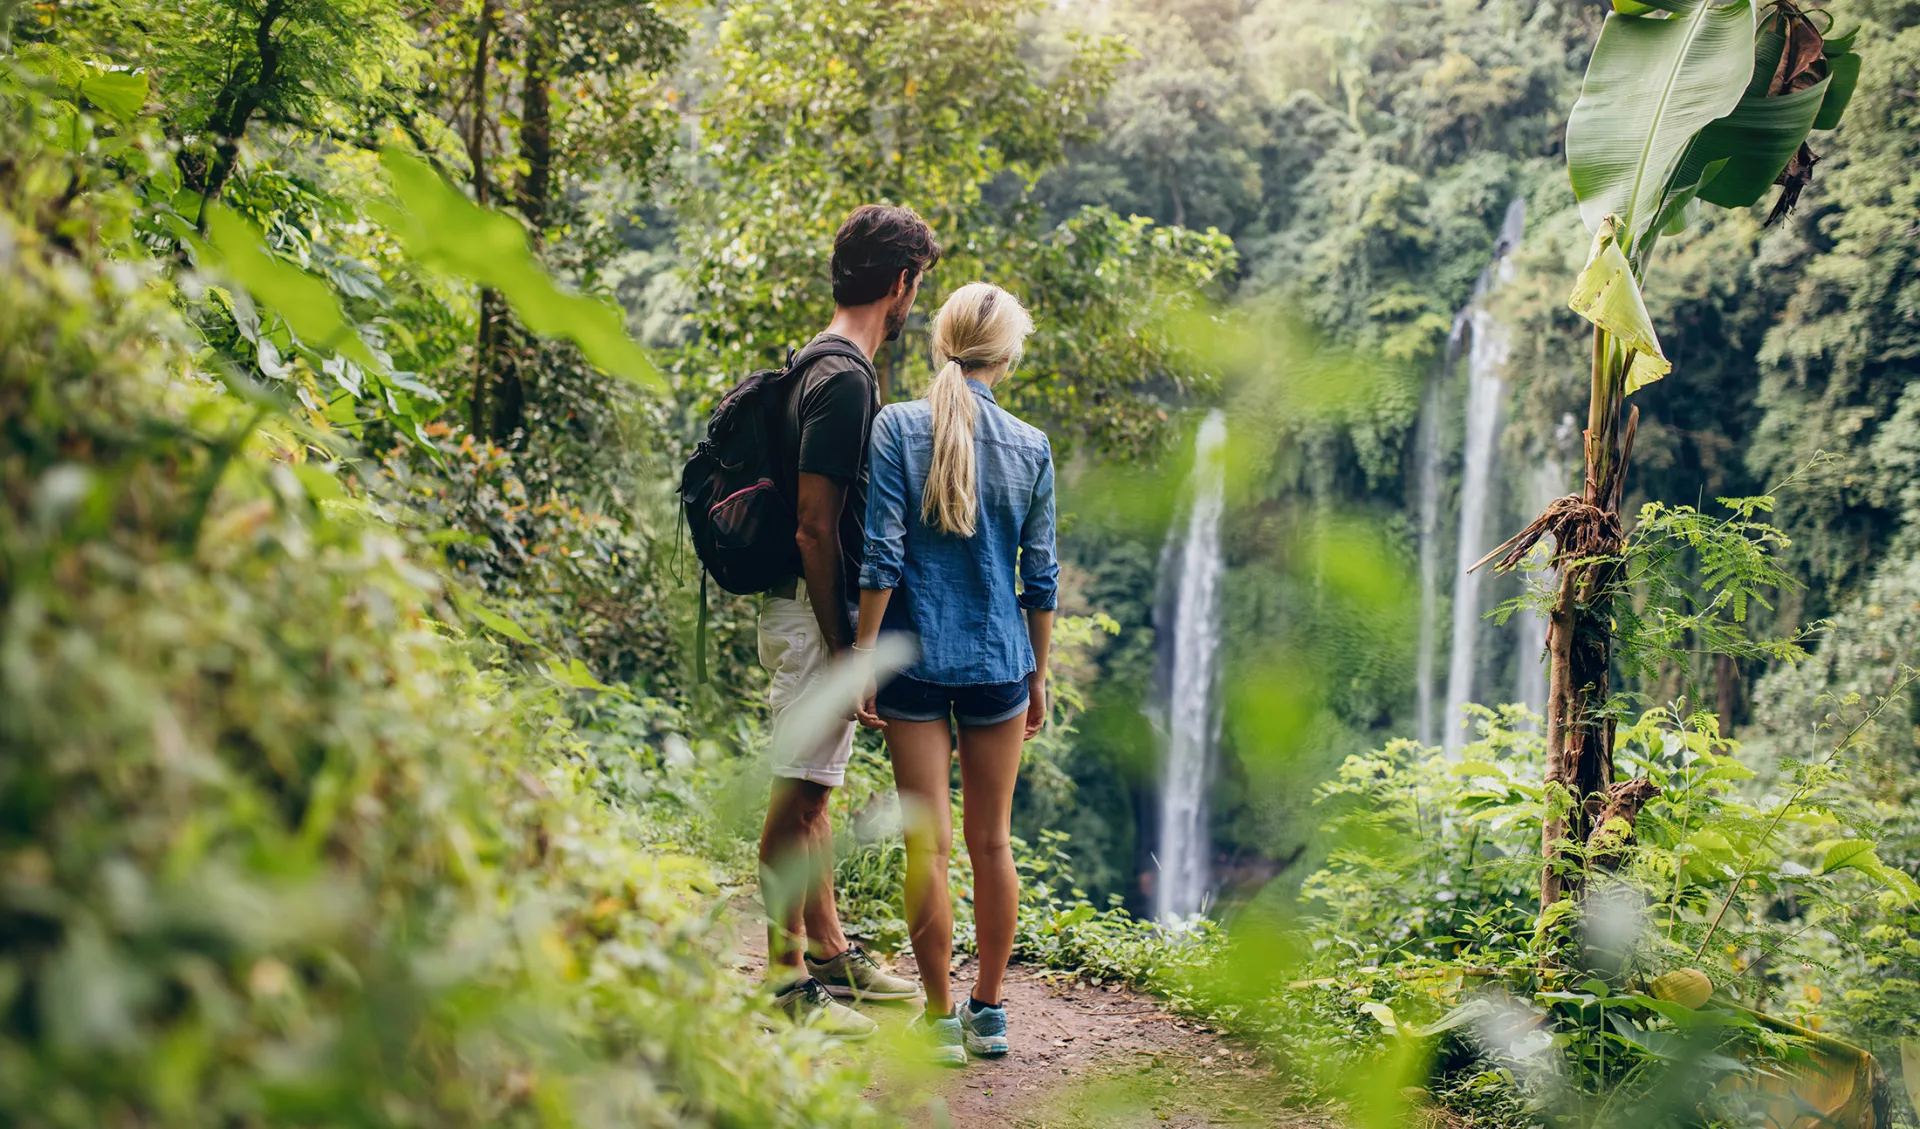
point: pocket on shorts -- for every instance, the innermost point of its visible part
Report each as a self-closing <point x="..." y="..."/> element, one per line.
<point x="779" y="632"/>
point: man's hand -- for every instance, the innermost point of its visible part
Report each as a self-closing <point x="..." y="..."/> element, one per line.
<point x="1036" y="704"/>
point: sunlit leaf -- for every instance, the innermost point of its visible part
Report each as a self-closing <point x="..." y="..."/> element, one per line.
<point x="120" y="94"/>
<point x="302" y="301"/>
<point x="497" y="622"/>
<point x="1847" y="853"/>
<point x="445" y="230"/>
<point x="1607" y="295"/>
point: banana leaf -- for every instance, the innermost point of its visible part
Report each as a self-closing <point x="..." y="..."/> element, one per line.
<point x="1655" y="81"/>
<point x="1608" y="295"/>
<point x="1843" y="74"/>
<point x="1756" y="140"/>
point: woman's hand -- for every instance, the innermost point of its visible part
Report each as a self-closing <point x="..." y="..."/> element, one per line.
<point x="865" y="708"/>
<point x="1036" y="704"/>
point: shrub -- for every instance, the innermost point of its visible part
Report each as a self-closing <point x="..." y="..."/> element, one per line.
<point x="278" y="845"/>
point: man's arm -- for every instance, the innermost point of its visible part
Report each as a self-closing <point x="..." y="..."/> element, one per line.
<point x="821" y="500"/>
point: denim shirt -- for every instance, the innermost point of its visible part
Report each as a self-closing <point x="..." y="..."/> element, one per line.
<point x="957" y="593"/>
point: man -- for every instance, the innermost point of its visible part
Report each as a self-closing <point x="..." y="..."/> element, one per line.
<point x="879" y="257"/>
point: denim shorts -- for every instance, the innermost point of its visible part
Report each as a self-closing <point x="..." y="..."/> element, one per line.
<point x="906" y="699"/>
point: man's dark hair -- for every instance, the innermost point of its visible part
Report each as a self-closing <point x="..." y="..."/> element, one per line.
<point x="875" y="244"/>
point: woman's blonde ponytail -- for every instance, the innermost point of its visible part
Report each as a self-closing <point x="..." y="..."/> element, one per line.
<point x="980" y="332"/>
<point x="951" y="499"/>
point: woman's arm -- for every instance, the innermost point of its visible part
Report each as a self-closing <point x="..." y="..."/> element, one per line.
<point x="873" y="609"/>
<point x="1040" y="634"/>
<point x="1039" y="589"/>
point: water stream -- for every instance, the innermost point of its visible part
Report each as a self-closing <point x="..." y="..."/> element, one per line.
<point x="1546" y="480"/>
<point x="1189" y="615"/>
<point x="1486" y="343"/>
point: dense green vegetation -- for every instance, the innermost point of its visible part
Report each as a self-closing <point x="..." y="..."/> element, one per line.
<point x="352" y="760"/>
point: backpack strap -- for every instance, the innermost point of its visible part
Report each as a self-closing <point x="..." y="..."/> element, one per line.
<point x="831" y="347"/>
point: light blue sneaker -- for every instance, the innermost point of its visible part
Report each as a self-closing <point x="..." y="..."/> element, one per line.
<point x="984" y="1031"/>
<point x="943" y="1038"/>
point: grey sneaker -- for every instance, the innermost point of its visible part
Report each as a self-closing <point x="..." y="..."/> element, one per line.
<point x="809" y="1005"/>
<point x="983" y="1031"/>
<point x="942" y="1038"/>
<point x="853" y="975"/>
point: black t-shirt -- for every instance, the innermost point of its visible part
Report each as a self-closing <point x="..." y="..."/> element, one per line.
<point x="828" y="421"/>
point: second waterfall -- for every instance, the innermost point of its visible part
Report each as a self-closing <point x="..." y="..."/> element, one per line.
<point x="1484" y="341"/>
<point x="1188" y="624"/>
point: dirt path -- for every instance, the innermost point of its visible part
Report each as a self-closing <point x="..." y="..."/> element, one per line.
<point x="1082" y="1056"/>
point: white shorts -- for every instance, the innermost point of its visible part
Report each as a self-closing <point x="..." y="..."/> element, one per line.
<point x="794" y="652"/>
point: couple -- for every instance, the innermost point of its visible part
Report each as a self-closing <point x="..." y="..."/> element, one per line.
<point x="918" y="517"/>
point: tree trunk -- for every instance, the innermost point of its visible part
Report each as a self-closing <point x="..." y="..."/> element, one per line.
<point x="536" y="137"/>
<point x="1726" y="692"/>
<point x="532" y="195"/>
<point x="234" y="107"/>
<point x="483" y="345"/>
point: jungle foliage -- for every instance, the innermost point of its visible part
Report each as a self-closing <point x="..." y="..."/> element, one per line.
<point x="352" y="766"/>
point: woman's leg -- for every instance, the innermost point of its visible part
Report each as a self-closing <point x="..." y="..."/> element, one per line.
<point x="922" y="753"/>
<point x="989" y="762"/>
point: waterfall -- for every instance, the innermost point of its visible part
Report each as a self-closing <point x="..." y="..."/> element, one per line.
<point x="1485" y="341"/>
<point x="1486" y="359"/>
<point x="1189" y="615"/>
<point x="1430" y="410"/>
<point x="1432" y="470"/>
<point x="1546" y="480"/>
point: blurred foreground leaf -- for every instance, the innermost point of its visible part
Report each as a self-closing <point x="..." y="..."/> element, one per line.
<point x="448" y="232"/>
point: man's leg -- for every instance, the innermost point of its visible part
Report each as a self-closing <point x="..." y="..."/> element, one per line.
<point x="820" y="912"/>
<point x="796" y="877"/>
<point x="788" y="859"/>
<point x="796" y="843"/>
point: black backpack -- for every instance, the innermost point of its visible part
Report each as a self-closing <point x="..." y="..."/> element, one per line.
<point x="739" y="514"/>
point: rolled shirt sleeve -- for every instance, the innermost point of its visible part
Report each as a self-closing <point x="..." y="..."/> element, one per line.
<point x="886" y="507"/>
<point x="1039" y="567"/>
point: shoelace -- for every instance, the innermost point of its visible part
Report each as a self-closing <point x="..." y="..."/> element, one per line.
<point x="816" y="994"/>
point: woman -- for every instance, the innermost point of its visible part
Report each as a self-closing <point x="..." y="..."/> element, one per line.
<point x="960" y="498"/>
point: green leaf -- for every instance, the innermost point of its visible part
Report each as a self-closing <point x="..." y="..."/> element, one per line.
<point x="1756" y="141"/>
<point x="497" y="622"/>
<point x="119" y="94"/>
<point x="447" y="231"/>
<point x="1843" y="74"/>
<point x="1647" y="7"/>
<point x="1652" y="84"/>
<point x="1676" y="214"/>
<point x="574" y="673"/>
<point x="1075" y="916"/>
<point x="1848" y="853"/>
<point x="302" y="301"/>
<point x="1910" y="1068"/>
<point x="1707" y="842"/>
<point x="1607" y="295"/>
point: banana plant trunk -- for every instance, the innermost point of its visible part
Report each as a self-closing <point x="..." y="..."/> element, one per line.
<point x="1580" y="631"/>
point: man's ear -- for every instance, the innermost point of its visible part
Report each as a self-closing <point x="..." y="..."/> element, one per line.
<point x="902" y="285"/>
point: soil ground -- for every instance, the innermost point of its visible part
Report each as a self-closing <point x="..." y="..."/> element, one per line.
<point x="1083" y="1055"/>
